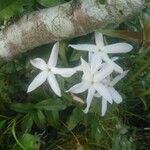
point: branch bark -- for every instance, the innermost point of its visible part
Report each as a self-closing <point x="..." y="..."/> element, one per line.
<point x="69" y="20"/>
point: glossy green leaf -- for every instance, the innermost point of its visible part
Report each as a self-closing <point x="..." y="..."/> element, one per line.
<point x="120" y="142"/>
<point x="146" y="18"/>
<point x="5" y="4"/>
<point x="2" y="124"/>
<point x="39" y="118"/>
<point x="53" y="118"/>
<point x="75" y="118"/>
<point x="29" y="142"/>
<point x="9" y="8"/>
<point x="62" y="53"/>
<point x="27" y="122"/>
<point x="50" y="104"/>
<point x="23" y="108"/>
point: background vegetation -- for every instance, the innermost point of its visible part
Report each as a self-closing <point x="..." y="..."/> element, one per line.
<point x="41" y="120"/>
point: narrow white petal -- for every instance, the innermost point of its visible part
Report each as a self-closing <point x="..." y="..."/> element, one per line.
<point x="115" y="96"/>
<point x="84" y="47"/>
<point x="106" y="58"/>
<point x="103" y="91"/>
<point x="105" y="71"/>
<point x="90" y="57"/>
<point x="96" y="62"/>
<point x="99" y="39"/>
<point x="64" y="72"/>
<point x="78" y="68"/>
<point x="39" y="63"/>
<point x="86" y="70"/>
<point x="54" y="55"/>
<point x="79" y="88"/>
<point x="116" y="67"/>
<point x="91" y="92"/>
<point x="118" y="48"/>
<point x="115" y="58"/>
<point x="104" y="106"/>
<point x="38" y="80"/>
<point x="54" y="84"/>
<point x="85" y="65"/>
<point x="118" y="78"/>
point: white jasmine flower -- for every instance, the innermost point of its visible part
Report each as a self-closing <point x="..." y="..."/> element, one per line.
<point x="91" y="81"/>
<point x="109" y="84"/>
<point x="48" y="71"/>
<point x="102" y="51"/>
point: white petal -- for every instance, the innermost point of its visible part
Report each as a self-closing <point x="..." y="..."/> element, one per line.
<point x="65" y="72"/>
<point x="104" y="106"/>
<point x="115" y="58"/>
<point x="90" y="57"/>
<point x="99" y="39"/>
<point x="103" y="91"/>
<point x="38" y="80"/>
<point x="85" y="65"/>
<point x="54" y="84"/>
<point x="54" y="55"/>
<point x="84" y="47"/>
<point x="78" y="68"/>
<point x="91" y="92"/>
<point x="118" y="78"/>
<point x="115" y="95"/>
<point x="96" y="62"/>
<point x="117" y="68"/>
<point x="118" y="48"/>
<point x="39" y="63"/>
<point x="105" y="71"/>
<point x="79" y="88"/>
<point x="86" y="70"/>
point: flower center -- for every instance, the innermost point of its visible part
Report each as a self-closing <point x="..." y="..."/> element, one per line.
<point x="49" y="70"/>
<point x="92" y="82"/>
<point x="88" y="79"/>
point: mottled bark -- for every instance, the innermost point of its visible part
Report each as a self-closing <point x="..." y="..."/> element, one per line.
<point x="65" y="21"/>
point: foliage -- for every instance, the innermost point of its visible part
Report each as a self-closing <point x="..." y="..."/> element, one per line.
<point x="41" y="120"/>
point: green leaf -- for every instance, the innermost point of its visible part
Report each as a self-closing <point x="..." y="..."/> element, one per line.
<point x="23" y="108"/>
<point x="27" y="123"/>
<point x="75" y="118"/>
<point x="2" y="124"/>
<point x="50" y="104"/>
<point x="120" y="142"/>
<point x="95" y="130"/>
<point x="39" y="118"/>
<point x="9" y="8"/>
<point x="50" y="3"/>
<point x="62" y="53"/>
<point x="53" y="118"/>
<point x="29" y="142"/>
<point x="146" y="30"/>
<point x="5" y="3"/>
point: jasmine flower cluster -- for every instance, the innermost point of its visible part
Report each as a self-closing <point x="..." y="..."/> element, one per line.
<point x="97" y="76"/>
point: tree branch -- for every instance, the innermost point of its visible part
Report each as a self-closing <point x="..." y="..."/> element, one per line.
<point x="65" y="21"/>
